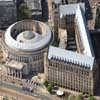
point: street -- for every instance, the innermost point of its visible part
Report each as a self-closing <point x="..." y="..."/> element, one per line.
<point x="19" y="96"/>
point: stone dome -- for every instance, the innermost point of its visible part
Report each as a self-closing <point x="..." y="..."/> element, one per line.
<point x="28" y="39"/>
<point x="28" y="35"/>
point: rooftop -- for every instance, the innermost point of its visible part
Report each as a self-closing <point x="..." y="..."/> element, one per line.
<point x="15" y="64"/>
<point x="33" y="4"/>
<point x="57" y="1"/>
<point x="29" y="37"/>
<point x="70" y="9"/>
<point x="84" y="33"/>
<point x="43" y="35"/>
<point x="70" y="56"/>
<point x="77" y="10"/>
<point x="6" y="0"/>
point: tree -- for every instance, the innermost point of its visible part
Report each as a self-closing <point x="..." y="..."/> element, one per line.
<point x="52" y="84"/>
<point x="49" y="88"/>
<point x="23" y="12"/>
<point x="91" y="98"/>
<point x="46" y="83"/>
<point x="80" y="97"/>
<point x="71" y="97"/>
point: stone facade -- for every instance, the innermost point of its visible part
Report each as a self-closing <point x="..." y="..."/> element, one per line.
<point x="70" y="74"/>
<point x="62" y="68"/>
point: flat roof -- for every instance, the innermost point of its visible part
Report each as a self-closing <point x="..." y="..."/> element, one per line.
<point x="70" y="9"/>
<point x="70" y="56"/>
<point x="57" y="1"/>
<point x="14" y="64"/>
<point x="84" y="33"/>
<point x="81" y="22"/>
<point x="39" y="43"/>
<point x="6" y="0"/>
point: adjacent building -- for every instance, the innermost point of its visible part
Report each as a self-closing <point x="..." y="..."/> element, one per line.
<point x="35" y="8"/>
<point x="73" y="67"/>
<point x="72" y="70"/>
<point x="8" y="13"/>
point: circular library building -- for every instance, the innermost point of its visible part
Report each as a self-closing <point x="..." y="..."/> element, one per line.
<point x="23" y="46"/>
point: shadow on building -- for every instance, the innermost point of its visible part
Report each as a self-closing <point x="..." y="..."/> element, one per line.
<point x="88" y="13"/>
<point x="44" y="10"/>
<point x="96" y="46"/>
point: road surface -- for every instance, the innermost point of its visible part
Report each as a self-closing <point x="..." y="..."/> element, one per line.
<point x="19" y="96"/>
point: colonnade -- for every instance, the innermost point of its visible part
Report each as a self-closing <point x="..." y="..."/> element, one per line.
<point x="14" y="72"/>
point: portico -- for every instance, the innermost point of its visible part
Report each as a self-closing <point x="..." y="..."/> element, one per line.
<point x="15" y="69"/>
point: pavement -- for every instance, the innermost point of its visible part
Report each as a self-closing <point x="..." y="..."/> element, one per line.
<point x="15" y="94"/>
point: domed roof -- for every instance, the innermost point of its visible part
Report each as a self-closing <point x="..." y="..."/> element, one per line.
<point x="30" y="40"/>
<point x="28" y="35"/>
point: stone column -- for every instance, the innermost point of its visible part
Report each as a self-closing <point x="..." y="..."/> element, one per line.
<point x="17" y="74"/>
<point x="7" y="72"/>
<point x="14" y="73"/>
<point x="11" y="71"/>
<point x="20" y="76"/>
